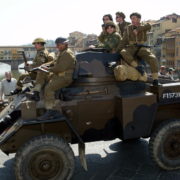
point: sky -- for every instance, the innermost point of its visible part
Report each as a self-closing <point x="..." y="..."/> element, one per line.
<point x="21" y="21"/>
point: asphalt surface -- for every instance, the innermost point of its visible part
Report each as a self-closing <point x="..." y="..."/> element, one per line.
<point x="109" y="160"/>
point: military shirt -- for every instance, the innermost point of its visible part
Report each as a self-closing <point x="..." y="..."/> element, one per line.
<point x="111" y="42"/>
<point x="122" y="27"/>
<point x="64" y="62"/>
<point x="130" y="38"/>
<point x="42" y="56"/>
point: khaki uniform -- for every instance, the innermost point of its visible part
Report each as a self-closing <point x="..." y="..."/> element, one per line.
<point x="122" y="27"/>
<point x="42" y="57"/>
<point x="60" y="76"/>
<point x="111" y="42"/>
<point x="129" y="49"/>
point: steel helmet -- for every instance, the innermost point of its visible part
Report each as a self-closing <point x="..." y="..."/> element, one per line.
<point x="39" y="40"/>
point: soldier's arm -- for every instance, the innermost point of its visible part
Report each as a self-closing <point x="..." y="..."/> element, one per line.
<point x="145" y="27"/>
<point x="124" y="41"/>
<point x="101" y="37"/>
<point x="64" y="64"/>
<point x="51" y="56"/>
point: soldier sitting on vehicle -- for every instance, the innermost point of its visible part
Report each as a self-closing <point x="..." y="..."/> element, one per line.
<point x="41" y="57"/>
<point x="59" y="75"/>
<point x="122" y="24"/>
<point x="132" y="46"/>
<point x="112" y="39"/>
<point x="106" y="18"/>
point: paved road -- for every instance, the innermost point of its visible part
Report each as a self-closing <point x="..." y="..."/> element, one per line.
<point x="110" y="160"/>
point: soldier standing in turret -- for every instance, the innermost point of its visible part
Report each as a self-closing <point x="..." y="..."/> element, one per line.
<point x="122" y="24"/>
<point x="42" y="56"/>
<point x="132" y="44"/>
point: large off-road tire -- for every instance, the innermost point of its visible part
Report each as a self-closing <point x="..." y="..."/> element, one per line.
<point x="45" y="157"/>
<point x="164" y="145"/>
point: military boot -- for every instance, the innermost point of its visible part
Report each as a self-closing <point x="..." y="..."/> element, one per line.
<point x="33" y="95"/>
<point x="156" y="82"/>
<point x="16" y="91"/>
<point x="140" y="69"/>
<point x="50" y="114"/>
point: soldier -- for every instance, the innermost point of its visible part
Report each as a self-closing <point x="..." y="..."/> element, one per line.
<point x="106" y="18"/>
<point x="41" y="57"/>
<point x="112" y="39"/>
<point x="132" y="45"/>
<point x="122" y="24"/>
<point x="59" y="76"/>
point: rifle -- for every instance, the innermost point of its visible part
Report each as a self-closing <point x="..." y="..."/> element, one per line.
<point x="24" y="57"/>
<point x="39" y="69"/>
<point x="142" y="45"/>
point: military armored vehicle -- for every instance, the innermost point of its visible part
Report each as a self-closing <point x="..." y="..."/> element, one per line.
<point x="95" y="107"/>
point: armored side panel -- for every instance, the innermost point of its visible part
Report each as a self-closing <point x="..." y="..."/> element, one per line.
<point x="168" y="98"/>
<point x="136" y="114"/>
<point x="167" y="93"/>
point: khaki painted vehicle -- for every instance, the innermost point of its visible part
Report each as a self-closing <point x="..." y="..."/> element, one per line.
<point x="95" y="107"/>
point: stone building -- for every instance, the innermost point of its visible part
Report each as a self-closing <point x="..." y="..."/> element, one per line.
<point x="171" y="49"/>
<point x="163" y="25"/>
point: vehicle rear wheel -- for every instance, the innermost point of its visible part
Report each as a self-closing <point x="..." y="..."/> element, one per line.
<point x="44" y="157"/>
<point x="164" y="145"/>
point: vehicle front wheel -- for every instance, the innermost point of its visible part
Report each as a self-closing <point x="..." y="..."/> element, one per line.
<point x="164" y="145"/>
<point x="44" y="157"/>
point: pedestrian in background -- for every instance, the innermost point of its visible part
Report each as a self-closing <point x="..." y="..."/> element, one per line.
<point x="7" y="85"/>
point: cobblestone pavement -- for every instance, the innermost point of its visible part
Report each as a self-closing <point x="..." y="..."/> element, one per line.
<point x="108" y="160"/>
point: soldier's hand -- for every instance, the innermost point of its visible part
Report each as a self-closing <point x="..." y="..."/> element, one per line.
<point x="27" y="68"/>
<point x="44" y="67"/>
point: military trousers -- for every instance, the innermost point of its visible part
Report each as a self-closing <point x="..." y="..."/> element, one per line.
<point x="32" y="75"/>
<point x="131" y="53"/>
<point x="51" y="83"/>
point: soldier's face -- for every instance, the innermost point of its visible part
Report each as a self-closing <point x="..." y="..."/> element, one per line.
<point x="106" y="19"/>
<point x="110" y="29"/>
<point x="38" y="46"/>
<point x="119" y="19"/>
<point x="61" y="47"/>
<point x="135" y="20"/>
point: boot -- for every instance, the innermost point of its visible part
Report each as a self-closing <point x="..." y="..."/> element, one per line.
<point x="140" y="69"/>
<point x="50" y="114"/>
<point x="156" y="82"/>
<point x="16" y="91"/>
<point x="33" y="95"/>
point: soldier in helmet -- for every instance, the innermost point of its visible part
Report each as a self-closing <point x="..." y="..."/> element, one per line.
<point x="112" y="39"/>
<point x="133" y="46"/>
<point x="42" y="56"/>
<point x="59" y="76"/>
<point x="122" y="24"/>
<point x="106" y="18"/>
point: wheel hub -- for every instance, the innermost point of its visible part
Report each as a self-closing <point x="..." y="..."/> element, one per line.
<point x="172" y="145"/>
<point x="46" y="164"/>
